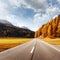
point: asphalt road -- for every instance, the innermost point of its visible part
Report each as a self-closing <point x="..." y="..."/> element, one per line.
<point x="33" y="50"/>
<point x="45" y="51"/>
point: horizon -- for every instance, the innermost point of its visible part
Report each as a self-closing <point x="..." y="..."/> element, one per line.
<point x="29" y="13"/>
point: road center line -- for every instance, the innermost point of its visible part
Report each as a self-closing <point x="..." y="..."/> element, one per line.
<point x="32" y="49"/>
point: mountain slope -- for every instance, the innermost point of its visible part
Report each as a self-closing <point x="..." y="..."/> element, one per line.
<point x="13" y="31"/>
<point x="50" y="29"/>
<point x="5" y="22"/>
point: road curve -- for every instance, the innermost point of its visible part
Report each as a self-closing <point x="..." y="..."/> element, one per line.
<point x="33" y="50"/>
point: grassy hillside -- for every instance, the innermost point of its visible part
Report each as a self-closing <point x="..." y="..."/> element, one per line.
<point x="13" y="31"/>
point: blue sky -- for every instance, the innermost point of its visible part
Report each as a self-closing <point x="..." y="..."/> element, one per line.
<point x="30" y="13"/>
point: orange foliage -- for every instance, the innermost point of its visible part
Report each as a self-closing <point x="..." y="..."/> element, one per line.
<point x="50" y="29"/>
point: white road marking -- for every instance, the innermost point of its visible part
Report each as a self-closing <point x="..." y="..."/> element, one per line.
<point x="50" y="46"/>
<point x="32" y="49"/>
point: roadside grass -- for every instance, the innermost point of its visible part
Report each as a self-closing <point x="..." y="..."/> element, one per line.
<point x="55" y="41"/>
<point x="6" y="43"/>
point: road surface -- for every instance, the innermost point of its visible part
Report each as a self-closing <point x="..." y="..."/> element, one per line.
<point x="33" y="50"/>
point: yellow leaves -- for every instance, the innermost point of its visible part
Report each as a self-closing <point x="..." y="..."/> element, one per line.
<point x="50" y="29"/>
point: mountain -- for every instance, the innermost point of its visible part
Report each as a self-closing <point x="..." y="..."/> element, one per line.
<point x="24" y="27"/>
<point x="50" y="29"/>
<point x="9" y="30"/>
<point x="5" y="22"/>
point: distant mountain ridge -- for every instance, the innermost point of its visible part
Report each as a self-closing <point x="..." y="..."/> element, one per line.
<point x="9" y="30"/>
<point x="5" y="22"/>
<point x="24" y="27"/>
<point x="50" y="29"/>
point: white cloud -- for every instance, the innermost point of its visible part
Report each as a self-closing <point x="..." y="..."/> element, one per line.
<point x="16" y="3"/>
<point x="53" y="10"/>
<point x="36" y="5"/>
<point x="39" y="20"/>
<point x="3" y="11"/>
<point x="58" y="1"/>
<point x="32" y="4"/>
<point x="15" y="21"/>
<point x="6" y="15"/>
<point x="55" y="16"/>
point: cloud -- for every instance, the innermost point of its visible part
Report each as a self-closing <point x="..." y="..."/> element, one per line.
<point x="16" y="3"/>
<point x="39" y="19"/>
<point x="44" y="9"/>
<point x="13" y="10"/>
<point x="36" y="5"/>
<point x="58" y="1"/>
<point x="31" y="4"/>
<point x="53" y="11"/>
<point x="15" y="21"/>
<point x="5" y="14"/>
<point x="3" y="11"/>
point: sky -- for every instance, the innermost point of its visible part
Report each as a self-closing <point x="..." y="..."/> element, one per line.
<point x="29" y="13"/>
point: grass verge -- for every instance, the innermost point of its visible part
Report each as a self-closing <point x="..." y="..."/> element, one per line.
<point x="55" y="41"/>
<point x="6" y="43"/>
